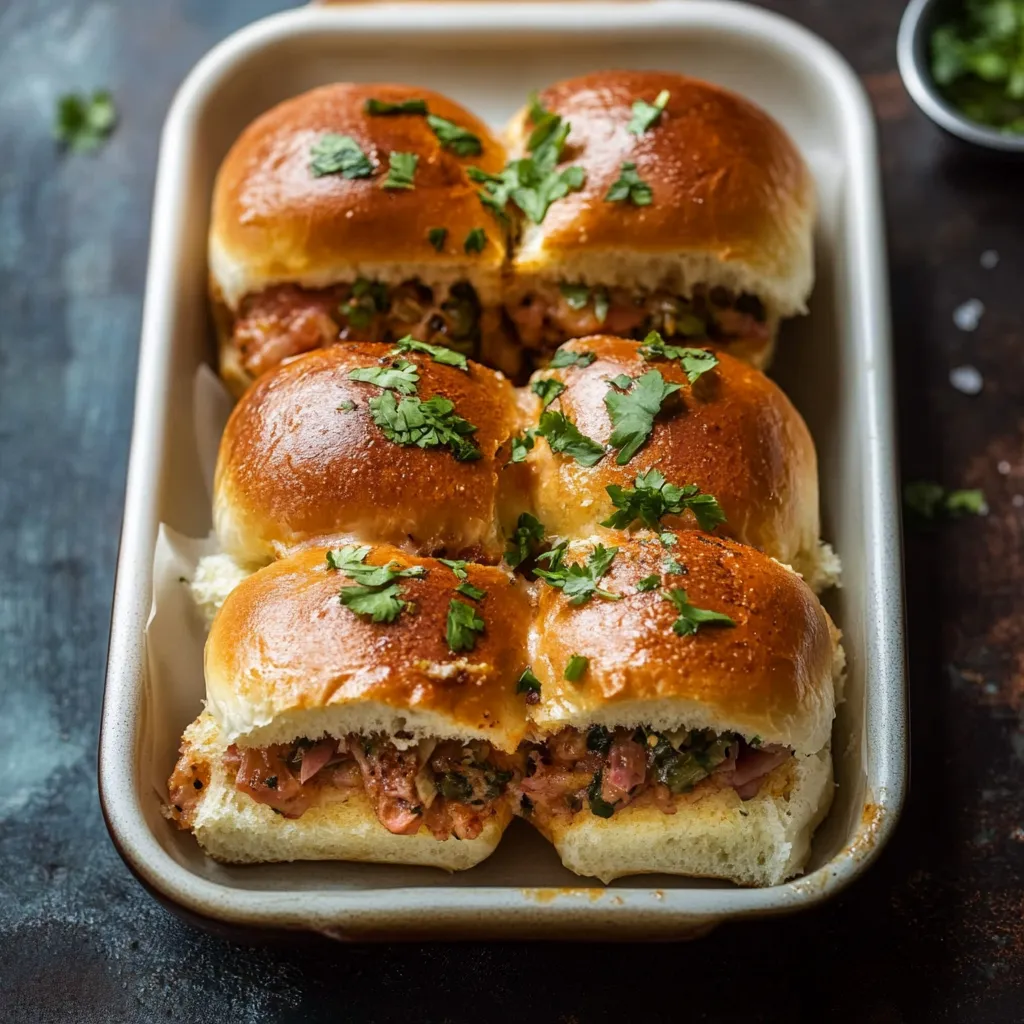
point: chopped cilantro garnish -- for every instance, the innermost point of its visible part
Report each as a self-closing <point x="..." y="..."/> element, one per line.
<point x="457" y="566"/>
<point x="426" y="424"/>
<point x="646" y="114"/>
<point x="570" y="357"/>
<point x="381" y="108"/>
<point x="599" y="739"/>
<point x="695" y="361"/>
<point x="346" y="405"/>
<point x="630" y="187"/>
<point x="580" y="582"/>
<point x="621" y="381"/>
<point x="564" y="437"/>
<point x="598" y="805"/>
<point x="367" y="299"/>
<point x="672" y="567"/>
<point x="576" y="295"/>
<point x="401" y="376"/>
<point x="401" y="170"/>
<point x="522" y="444"/>
<point x="475" y="241"/>
<point x="440" y="354"/>
<point x="528" y="533"/>
<point x="648" y="583"/>
<point x="575" y="668"/>
<point x="601" y="304"/>
<point x="339" y="154"/>
<point x="928" y="500"/>
<point x="377" y="592"/>
<point x="668" y="539"/>
<point x="437" y="237"/>
<point x="528" y="683"/>
<point x="381" y="604"/>
<point x="652" y="497"/>
<point x="463" y="625"/>
<point x="83" y="123"/>
<point x="547" y="389"/>
<point x="461" y="141"/>
<point x="633" y="413"/>
<point x="467" y="589"/>
<point x="691" y="618"/>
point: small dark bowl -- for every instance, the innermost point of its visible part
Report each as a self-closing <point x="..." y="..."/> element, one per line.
<point x="913" y="53"/>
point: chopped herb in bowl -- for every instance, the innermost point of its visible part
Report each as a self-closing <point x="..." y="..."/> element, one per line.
<point x="977" y="61"/>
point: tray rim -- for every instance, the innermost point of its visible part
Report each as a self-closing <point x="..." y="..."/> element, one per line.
<point x="508" y="910"/>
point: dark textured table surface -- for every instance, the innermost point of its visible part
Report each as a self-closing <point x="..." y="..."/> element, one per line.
<point x="935" y="932"/>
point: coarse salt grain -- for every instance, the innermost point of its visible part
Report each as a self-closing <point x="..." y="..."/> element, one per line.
<point x="966" y="379"/>
<point x="968" y="314"/>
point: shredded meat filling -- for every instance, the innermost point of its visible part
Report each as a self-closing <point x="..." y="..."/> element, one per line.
<point x="449" y="788"/>
<point x="285" y="320"/>
<point x="605" y="771"/>
<point x="549" y="316"/>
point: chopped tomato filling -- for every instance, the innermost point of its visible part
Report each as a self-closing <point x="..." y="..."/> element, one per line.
<point x="605" y="771"/>
<point x="286" y="321"/>
<point x="551" y="315"/>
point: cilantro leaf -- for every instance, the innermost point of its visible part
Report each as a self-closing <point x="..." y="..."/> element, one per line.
<point x="647" y="114"/>
<point x="928" y="500"/>
<point x="668" y="539"/>
<point x="463" y="625"/>
<point x="528" y="533"/>
<point x="346" y="405"/>
<point x="475" y="241"/>
<point x="381" y="108"/>
<point x="692" y="618"/>
<point x="83" y="123"/>
<point x="598" y="805"/>
<point x="401" y="170"/>
<point x="630" y="187"/>
<point x="576" y="296"/>
<point x="437" y="237"/>
<point x="401" y="376"/>
<point x="338" y="154"/>
<point x="467" y="588"/>
<point x="367" y="299"/>
<point x="376" y="592"/>
<point x="440" y="354"/>
<point x="564" y="437"/>
<point x="528" y="683"/>
<point x="350" y="560"/>
<point x="426" y="424"/>
<point x="575" y="668"/>
<point x="461" y="141"/>
<point x="457" y="566"/>
<point x="570" y="357"/>
<point x="695" y="361"/>
<point x="652" y="498"/>
<point x="547" y="389"/>
<point x="381" y="604"/>
<point x="621" y="381"/>
<point x="580" y="582"/>
<point x="522" y="444"/>
<point x="633" y="413"/>
<point x="966" y="503"/>
<point x="648" y="583"/>
<point x="672" y="567"/>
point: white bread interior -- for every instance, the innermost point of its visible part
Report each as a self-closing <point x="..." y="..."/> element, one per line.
<point x="215" y="577"/>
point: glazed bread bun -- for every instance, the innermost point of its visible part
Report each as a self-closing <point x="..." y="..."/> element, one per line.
<point x="763" y="685"/>
<point x="302" y="459"/>
<point x="771" y="675"/>
<point x="286" y="658"/>
<point x="274" y="220"/>
<point x="303" y="204"/>
<point x="234" y="829"/>
<point x="732" y="432"/>
<point x="731" y="203"/>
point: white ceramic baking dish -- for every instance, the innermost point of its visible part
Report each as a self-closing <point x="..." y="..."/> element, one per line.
<point x="835" y="364"/>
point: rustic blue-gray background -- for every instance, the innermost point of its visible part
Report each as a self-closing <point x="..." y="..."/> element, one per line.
<point x="934" y="933"/>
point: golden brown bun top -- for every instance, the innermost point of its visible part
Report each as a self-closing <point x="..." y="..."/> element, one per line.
<point x="285" y="658"/>
<point x="770" y="676"/>
<point x="297" y="466"/>
<point x="728" y="184"/>
<point x="274" y="221"/>
<point x="733" y="432"/>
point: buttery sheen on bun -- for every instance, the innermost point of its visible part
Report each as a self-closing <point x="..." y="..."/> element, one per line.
<point x="335" y="445"/>
<point x="729" y="434"/>
<point x="346" y="213"/>
<point x="694" y="217"/>
<point x="361" y="696"/>
<point x="684" y="713"/>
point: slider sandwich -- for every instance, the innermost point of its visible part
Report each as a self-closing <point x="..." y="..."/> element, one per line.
<point x="685" y="209"/>
<point x="652" y="435"/>
<point x="346" y="214"/>
<point x="361" y="705"/>
<point x="683" y="703"/>
<point x="364" y="443"/>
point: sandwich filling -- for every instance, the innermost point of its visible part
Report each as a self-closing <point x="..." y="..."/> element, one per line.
<point x="447" y="787"/>
<point x="551" y="314"/>
<point x="286" y="321"/>
<point x="602" y="771"/>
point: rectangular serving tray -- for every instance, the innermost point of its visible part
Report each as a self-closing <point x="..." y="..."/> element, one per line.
<point x="835" y="364"/>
